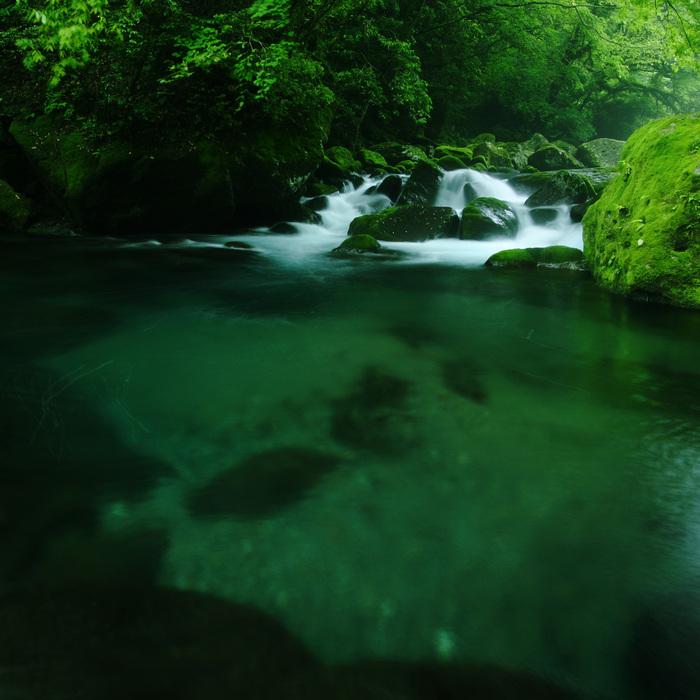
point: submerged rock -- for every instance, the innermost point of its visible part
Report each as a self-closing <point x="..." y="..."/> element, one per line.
<point x="642" y="237"/>
<point x="556" y="256"/>
<point x="407" y="223"/>
<point x="372" y="416"/>
<point x="486" y="217"/>
<point x="262" y="483"/>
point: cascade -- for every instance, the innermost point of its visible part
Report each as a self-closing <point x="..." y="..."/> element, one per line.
<point x="309" y="245"/>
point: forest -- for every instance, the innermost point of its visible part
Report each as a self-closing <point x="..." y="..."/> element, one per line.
<point x="347" y="72"/>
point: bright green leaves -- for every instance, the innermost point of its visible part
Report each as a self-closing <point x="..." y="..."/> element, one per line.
<point x="65" y="31"/>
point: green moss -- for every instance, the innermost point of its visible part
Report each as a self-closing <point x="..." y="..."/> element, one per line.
<point x="14" y="209"/>
<point x="556" y="256"/>
<point x="450" y="163"/>
<point x="361" y="242"/>
<point x="642" y="238"/>
<point x="407" y="223"/>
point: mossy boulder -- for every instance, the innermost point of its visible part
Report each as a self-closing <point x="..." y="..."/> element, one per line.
<point x="14" y="209"/>
<point x="394" y="153"/>
<point x="464" y="153"/>
<point x="486" y="217"/>
<point x="552" y="157"/>
<point x="366" y="247"/>
<point x="338" y="163"/>
<point x="642" y="237"/>
<point x="529" y="182"/>
<point x="423" y="184"/>
<point x="554" y="257"/>
<point x="449" y="163"/>
<point x="407" y="223"/>
<point x="371" y="160"/>
<point x="564" y="188"/>
<point x="493" y="155"/>
<point x="600" y="153"/>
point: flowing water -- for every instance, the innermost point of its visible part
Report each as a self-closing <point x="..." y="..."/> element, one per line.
<point x="417" y="460"/>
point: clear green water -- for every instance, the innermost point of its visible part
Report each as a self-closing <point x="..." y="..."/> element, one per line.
<point x="513" y="459"/>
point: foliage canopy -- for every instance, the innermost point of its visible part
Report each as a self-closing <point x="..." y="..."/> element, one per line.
<point x="374" y="68"/>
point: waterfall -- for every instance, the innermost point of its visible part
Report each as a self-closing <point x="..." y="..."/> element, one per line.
<point x="311" y="242"/>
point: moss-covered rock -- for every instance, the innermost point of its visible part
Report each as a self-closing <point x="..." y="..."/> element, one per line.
<point x="494" y="156"/>
<point x="486" y="217"/>
<point x="14" y="209"/>
<point x="642" y="237"/>
<point x="529" y="182"/>
<point x="552" y="157"/>
<point x="423" y="184"/>
<point x="449" y="163"/>
<point x="555" y="257"/>
<point x="362" y="246"/>
<point x="407" y="223"/>
<point x="371" y="160"/>
<point x="600" y="153"/>
<point x="395" y="153"/>
<point x="464" y="153"/>
<point x="564" y="188"/>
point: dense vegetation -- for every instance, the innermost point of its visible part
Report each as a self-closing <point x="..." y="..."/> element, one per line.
<point x="365" y="69"/>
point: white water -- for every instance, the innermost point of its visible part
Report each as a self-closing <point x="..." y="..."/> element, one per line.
<point x="313" y="241"/>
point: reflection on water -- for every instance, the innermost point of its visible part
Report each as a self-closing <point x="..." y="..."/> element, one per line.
<point x="425" y="464"/>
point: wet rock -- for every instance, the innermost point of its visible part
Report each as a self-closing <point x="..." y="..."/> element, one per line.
<point x="262" y="483"/>
<point x="563" y="188"/>
<point x="422" y="186"/>
<point x="486" y="217"/>
<point x="407" y="223"/>
<point x="555" y="257"/>
<point x="391" y="187"/>
<point x="529" y="182"/>
<point x="543" y="215"/>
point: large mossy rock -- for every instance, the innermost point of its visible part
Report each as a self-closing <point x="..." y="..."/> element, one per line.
<point x="395" y="153"/>
<point x="642" y="237"/>
<point x="422" y="186"/>
<point x="553" y="257"/>
<point x="493" y="155"/>
<point x="122" y="187"/>
<point x="14" y="209"/>
<point x="552" y="157"/>
<point x="407" y="223"/>
<point x="600" y="153"/>
<point x="487" y="217"/>
<point x="564" y="188"/>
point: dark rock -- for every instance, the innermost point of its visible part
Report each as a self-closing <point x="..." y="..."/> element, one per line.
<point x="486" y="217"/>
<point x="552" y="157"/>
<point x="408" y="223"/>
<point x="578" y="211"/>
<point x="563" y="188"/>
<point x="600" y="153"/>
<point x="262" y="483"/>
<point x="391" y="187"/>
<point x="422" y="186"/>
<point x="543" y="216"/>
<point x="529" y="182"/>
<point x="14" y="209"/>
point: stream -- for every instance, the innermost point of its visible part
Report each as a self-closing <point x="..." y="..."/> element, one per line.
<point x="415" y="460"/>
